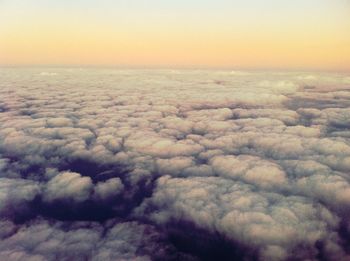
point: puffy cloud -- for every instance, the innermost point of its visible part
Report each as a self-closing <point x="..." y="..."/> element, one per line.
<point x="68" y="186"/>
<point x="174" y="165"/>
<point x="251" y="169"/>
<point x="108" y="189"/>
<point x="82" y="240"/>
<point x="16" y="195"/>
<point x="59" y="122"/>
<point x="267" y="221"/>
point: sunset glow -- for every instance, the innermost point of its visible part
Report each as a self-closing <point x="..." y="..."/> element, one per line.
<point x="215" y="34"/>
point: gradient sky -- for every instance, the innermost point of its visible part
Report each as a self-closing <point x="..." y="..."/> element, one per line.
<point x="282" y="34"/>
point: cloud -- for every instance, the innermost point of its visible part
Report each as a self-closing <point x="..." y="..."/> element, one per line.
<point x="16" y="195"/>
<point x="267" y="221"/>
<point x="108" y="189"/>
<point x="251" y="169"/>
<point x="103" y="164"/>
<point x="68" y="186"/>
<point x="42" y="240"/>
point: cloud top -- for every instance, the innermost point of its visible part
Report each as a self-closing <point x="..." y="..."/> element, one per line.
<point x="162" y="165"/>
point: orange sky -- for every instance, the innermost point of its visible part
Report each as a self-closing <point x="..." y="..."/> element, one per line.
<point x="277" y="36"/>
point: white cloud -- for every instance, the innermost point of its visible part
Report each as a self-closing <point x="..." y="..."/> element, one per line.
<point x="68" y="186"/>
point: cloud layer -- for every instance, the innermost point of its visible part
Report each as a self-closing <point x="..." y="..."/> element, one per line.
<point x="166" y="165"/>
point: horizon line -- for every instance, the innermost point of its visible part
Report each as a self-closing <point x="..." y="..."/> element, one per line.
<point x="177" y="67"/>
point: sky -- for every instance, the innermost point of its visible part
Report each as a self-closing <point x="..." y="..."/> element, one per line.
<point x="252" y="34"/>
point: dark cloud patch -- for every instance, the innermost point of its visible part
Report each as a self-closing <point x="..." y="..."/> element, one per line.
<point x="3" y="108"/>
<point x="96" y="171"/>
<point x="204" y="245"/>
<point x="300" y="102"/>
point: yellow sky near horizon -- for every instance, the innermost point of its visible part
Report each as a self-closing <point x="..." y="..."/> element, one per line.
<point x="170" y="37"/>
